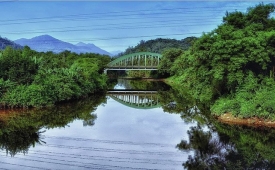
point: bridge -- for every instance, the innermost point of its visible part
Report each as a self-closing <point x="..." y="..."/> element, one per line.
<point x="135" y="61"/>
<point x="136" y="99"/>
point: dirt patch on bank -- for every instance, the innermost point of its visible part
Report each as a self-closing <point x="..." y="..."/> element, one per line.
<point x="255" y="122"/>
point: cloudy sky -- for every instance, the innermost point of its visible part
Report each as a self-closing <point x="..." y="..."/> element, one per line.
<point x="113" y="25"/>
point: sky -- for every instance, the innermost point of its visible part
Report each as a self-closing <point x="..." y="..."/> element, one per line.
<point x="113" y="25"/>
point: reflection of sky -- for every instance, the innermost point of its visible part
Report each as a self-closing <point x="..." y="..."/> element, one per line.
<point x="121" y="137"/>
<point x="119" y="87"/>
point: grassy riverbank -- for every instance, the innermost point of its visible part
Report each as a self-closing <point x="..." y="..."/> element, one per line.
<point x="225" y="115"/>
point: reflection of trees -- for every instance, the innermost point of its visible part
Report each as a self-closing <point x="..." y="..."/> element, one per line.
<point x="142" y="84"/>
<point x="149" y="85"/>
<point x="19" y="140"/>
<point x="111" y="83"/>
<point x="229" y="147"/>
<point x="19" y="131"/>
<point x="215" y="145"/>
<point x="255" y="147"/>
<point x="173" y="101"/>
<point x="209" y="152"/>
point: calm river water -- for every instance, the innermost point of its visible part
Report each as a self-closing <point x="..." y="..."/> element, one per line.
<point x="160" y="129"/>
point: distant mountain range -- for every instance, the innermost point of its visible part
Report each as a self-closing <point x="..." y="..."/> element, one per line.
<point x="4" y="42"/>
<point x="46" y="43"/>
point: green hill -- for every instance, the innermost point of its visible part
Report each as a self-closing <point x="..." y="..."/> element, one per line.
<point x="159" y="45"/>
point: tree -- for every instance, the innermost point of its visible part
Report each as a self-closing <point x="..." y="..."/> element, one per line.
<point x="159" y="45"/>
<point x="17" y="68"/>
<point x="233" y="65"/>
<point x="167" y="60"/>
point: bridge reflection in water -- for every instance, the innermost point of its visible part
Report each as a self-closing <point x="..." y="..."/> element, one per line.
<point x="141" y="99"/>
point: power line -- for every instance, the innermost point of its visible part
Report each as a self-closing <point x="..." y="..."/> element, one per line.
<point x="165" y="11"/>
<point x="83" y="165"/>
<point x="130" y="37"/>
<point x="117" y="26"/>
<point x="103" y="14"/>
<point x="58" y="163"/>
<point x="80" y="17"/>
<point x="27" y="166"/>
<point x="102" y="29"/>
<point x="3" y="1"/>
<point x="117" y="38"/>
<point x="102" y="19"/>
<point x="108" y="157"/>
<point x="132" y="23"/>
<point x="169" y="12"/>
<point x="98" y="158"/>
<point x="0" y="167"/>
<point x="109" y="141"/>
<point x="136" y="152"/>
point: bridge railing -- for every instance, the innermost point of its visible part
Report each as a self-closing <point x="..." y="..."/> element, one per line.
<point x="136" y="61"/>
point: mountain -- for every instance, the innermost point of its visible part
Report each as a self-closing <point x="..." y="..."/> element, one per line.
<point x="4" y="42"/>
<point x="91" y="48"/>
<point x="45" y="43"/>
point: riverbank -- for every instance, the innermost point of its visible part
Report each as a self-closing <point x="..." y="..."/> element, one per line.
<point x="228" y="118"/>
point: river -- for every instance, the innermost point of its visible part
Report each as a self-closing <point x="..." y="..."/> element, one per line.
<point x="158" y="129"/>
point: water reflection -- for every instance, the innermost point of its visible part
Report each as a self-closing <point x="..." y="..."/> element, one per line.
<point x="123" y="137"/>
<point x="189" y="109"/>
<point x="217" y="150"/>
<point x="136" y="99"/>
<point x="19" y="140"/>
<point x="139" y="94"/>
<point x="141" y="85"/>
<point x="253" y="147"/>
<point x="216" y="145"/>
<point x="21" y="130"/>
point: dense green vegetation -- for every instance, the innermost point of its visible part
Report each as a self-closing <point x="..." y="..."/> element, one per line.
<point x="29" y="78"/>
<point x="232" y="66"/>
<point x="159" y="45"/>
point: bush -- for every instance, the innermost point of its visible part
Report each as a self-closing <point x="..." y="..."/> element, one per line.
<point x="251" y="100"/>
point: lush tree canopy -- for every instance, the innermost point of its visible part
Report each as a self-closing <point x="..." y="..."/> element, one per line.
<point x="159" y="45"/>
<point x="29" y="78"/>
<point x="236" y="60"/>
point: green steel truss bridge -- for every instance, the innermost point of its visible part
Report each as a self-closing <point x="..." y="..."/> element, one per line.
<point x="136" y="61"/>
<point x="136" y="99"/>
